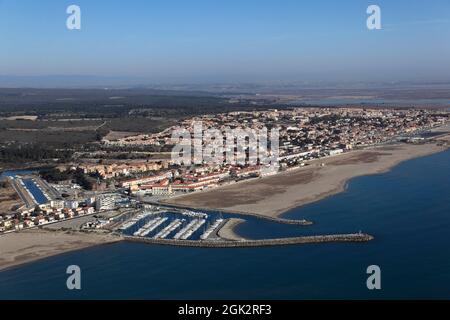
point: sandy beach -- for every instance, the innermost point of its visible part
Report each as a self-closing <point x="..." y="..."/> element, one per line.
<point x="30" y="245"/>
<point x="270" y="196"/>
<point x="274" y="195"/>
<point x="227" y="231"/>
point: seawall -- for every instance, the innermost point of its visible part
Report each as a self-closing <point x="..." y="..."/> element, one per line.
<point x="301" y="222"/>
<point x="356" y="237"/>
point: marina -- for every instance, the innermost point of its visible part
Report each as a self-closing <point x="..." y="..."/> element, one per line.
<point x="155" y="224"/>
<point x="184" y="230"/>
<point x="132" y="222"/>
<point x="167" y="230"/>
<point x="190" y="213"/>
<point x="197" y="224"/>
<point x="211" y="229"/>
<point x="392" y="214"/>
<point x="172" y="224"/>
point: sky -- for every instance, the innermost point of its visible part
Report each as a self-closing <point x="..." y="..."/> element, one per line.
<point x="164" y="41"/>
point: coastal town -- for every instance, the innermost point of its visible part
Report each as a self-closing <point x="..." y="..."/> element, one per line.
<point x="109" y="189"/>
<point x="224" y="155"/>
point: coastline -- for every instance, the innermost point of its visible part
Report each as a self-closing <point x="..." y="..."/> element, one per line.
<point x="287" y="190"/>
<point x="23" y="247"/>
<point x="272" y="196"/>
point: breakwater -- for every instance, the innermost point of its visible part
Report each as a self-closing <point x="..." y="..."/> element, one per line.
<point x="353" y="237"/>
<point x="301" y="222"/>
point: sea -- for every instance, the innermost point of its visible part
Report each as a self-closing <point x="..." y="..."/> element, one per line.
<point x="407" y="210"/>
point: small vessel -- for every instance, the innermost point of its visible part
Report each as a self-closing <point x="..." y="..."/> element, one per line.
<point x="190" y="213"/>
<point x="211" y="229"/>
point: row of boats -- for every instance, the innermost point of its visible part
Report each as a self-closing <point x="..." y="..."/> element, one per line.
<point x="150" y="226"/>
<point x="194" y="214"/>
<point x="211" y="228"/>
<point x="137" y="218"/>
<point x="167" y="230"/>
<point x="189" y="229"/>
<point x="184" y="233"/>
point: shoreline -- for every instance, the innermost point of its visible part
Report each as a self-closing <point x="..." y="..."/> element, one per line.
<point x="275" y="195"/>
<point x="20" y="248"/>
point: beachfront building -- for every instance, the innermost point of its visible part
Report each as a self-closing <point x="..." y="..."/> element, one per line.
<point x="71" y="204"/>
<point x="105" y="202"/>
<point x="132" y="183"/>
<point x="57" y="204"/>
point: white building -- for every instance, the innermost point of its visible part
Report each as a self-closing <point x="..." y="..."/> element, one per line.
<point x="105" y="202"/>
<point x="336" y="152"/>
<point x="71" y="204"/>
<point x="57" y="204"/>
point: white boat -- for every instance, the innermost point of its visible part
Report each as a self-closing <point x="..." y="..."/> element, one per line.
<point x="167" y="230"/>
<point x="211" y="229"/>
<point x="190" y="213"/>
<point x="156" y="224"/>
<point x="198" y="223"/>
<point x="185" y="229"/>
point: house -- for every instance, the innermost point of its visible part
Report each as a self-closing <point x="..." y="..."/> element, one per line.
<point x="7" y="224"/>
<point x="39" y="220"/>
<point x="28" y="223"/>
<point x="19" y="226"/>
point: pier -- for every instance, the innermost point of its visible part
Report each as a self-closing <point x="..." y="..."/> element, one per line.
<point x="167" y="230"/>
<point x="130" y="223"/>
<point x="352" y="237"/>
<point x="211" y="229"/>
<point x="185" y="229"/>
<point x="302" y="222"/>
<point x="155" y="224"/>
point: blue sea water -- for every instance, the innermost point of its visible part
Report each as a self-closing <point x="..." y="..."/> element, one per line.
<point x="406" y="209"/>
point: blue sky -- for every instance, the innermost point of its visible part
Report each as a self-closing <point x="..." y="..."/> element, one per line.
<point x="228" y="40"/>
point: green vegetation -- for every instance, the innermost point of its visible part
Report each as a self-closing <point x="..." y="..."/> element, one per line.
<point x="32" y="152"/>
<point x="75" y="120"/>
<point x="54" y="175"/>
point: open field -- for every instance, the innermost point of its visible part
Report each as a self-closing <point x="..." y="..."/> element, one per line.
<point x="274" y="195"/>
<point x="8" y="198"/>
<point x="30" y="118"/>
<point x="115" y="135"/>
